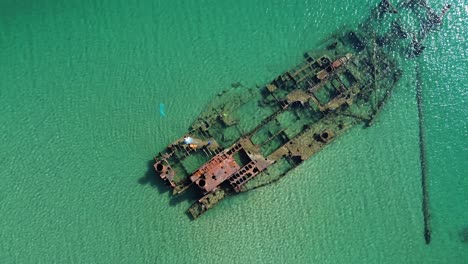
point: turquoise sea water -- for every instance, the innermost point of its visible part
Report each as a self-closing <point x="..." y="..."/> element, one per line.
<point x="81" y="85"/>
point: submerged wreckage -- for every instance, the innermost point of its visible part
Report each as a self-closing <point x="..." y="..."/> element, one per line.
<point x="248" y="138"/>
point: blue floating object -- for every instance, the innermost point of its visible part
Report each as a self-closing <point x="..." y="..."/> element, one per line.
<point x="161" y="109"/>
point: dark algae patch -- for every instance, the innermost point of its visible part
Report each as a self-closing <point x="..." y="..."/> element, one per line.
<point x="464" y="235"/>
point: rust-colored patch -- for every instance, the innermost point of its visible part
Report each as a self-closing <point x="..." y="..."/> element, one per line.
<point x="214" y="172"/>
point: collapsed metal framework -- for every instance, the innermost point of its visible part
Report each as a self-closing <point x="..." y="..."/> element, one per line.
<point x="248" y="138"/>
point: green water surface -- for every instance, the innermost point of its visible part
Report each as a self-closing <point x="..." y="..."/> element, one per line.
<point x="80" y="87"/>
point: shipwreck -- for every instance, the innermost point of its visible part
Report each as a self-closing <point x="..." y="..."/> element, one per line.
<point x="250" y="137"/>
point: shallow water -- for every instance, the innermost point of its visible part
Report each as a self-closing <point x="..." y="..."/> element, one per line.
<point x="81" y="84"/>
